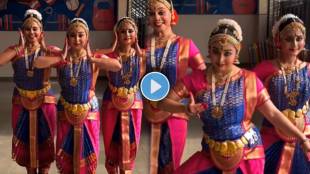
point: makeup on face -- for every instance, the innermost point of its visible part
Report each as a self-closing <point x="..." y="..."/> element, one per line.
<point x="32" y="32"/>
<point x="77" y="37"/>
<point x="292" y="42"/>
<point x="222" y="56"/>
<point x="159" y="16"/>
<point x="126" y="33"/>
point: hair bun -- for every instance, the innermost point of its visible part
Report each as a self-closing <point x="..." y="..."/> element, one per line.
<point x="234" y="24"/>
<point x="33" y="13"/>
<point x="81" y="20"/>
<point x="282" y="20"/>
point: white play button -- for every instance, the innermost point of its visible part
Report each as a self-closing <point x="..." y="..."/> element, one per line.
<point x="154" y="86"/>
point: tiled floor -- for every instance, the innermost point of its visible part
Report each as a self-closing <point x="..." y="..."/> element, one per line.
<point x="8" y="166"/>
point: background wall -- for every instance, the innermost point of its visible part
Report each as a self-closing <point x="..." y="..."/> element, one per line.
<point x="99" y="39"/>
<point x="196" y="27"/>
<point x="199" y="27"/>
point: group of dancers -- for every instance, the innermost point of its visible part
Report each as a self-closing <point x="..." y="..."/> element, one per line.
<point x="222" y="95"/>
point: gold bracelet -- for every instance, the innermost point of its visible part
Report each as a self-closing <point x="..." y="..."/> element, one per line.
<point x="17" y="52"/>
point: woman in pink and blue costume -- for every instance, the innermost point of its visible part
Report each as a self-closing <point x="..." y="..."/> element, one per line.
<point x="171" y="55"/>
<point x="34" y="109"/>
<point x="288" y="82"/>
<point x="78" y="125"/>
<point x="226" y="98"/>
<point x="122" y="102"/>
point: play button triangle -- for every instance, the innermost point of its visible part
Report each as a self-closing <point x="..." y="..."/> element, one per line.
<point x="154" y="86"/>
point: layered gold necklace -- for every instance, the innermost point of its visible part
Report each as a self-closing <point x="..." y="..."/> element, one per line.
<point x="74" y="77"/>
<point x="29" y="66"/>
<point x="126" y="76"/>
<point x="217" y="111"/>
<point x="290" y="95"/>
<point x="164" y="57"/>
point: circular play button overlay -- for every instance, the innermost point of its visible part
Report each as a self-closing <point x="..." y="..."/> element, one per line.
<point x="155" y="86"/>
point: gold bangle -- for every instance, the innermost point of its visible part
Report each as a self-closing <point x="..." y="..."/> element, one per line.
<point x="17" y="52"/>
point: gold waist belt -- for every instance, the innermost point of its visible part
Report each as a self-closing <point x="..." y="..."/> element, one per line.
<point x="31" y="94"/>
<point x="292" y="115"/>
<point x="229" y="148"/>
<point x="297" y="118"/>
<point x="75" y="109"/>
<point x="123" y="91"/>
<point x="90" y="116"/>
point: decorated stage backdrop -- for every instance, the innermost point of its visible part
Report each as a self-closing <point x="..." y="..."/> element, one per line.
<point x="216" y="6"/>
<point x="99" y="14"/>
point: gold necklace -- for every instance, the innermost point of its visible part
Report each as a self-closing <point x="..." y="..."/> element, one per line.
<point x="220" y="79"/>
<point x="164" y="57"/>
<point x="161" y="42"/>
<point x="287" y="68"/>
<point x="125" y="55"/>
<point x="77" y="57"/>
<point x="217" y="111"/>
<point x="29" y="67"/>
<point x="74" y="79"/>
<point x="126" y="77"/>
<point x="32" y="48"/>
<point x="292" y="95"/>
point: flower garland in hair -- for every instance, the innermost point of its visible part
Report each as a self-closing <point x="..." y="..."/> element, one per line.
<point x="275" y="28"/>
<point x="126" y="19"/>
<point x="234" y="24"/>
<point x="80" y="20"/>
<point x="33" y="13"/>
